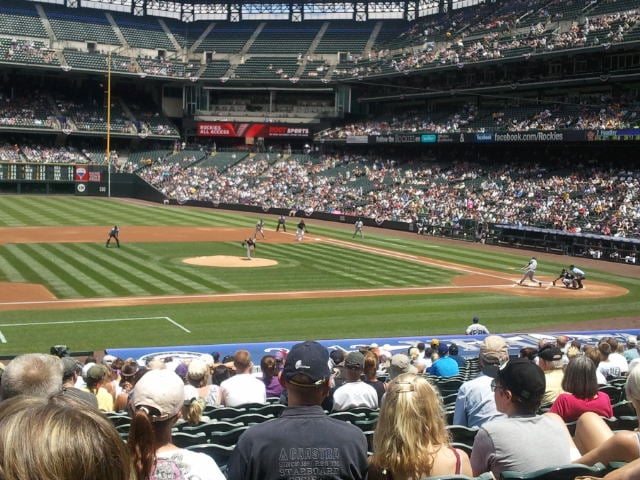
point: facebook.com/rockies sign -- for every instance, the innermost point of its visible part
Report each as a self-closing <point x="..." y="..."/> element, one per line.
<point x="537" y="136"/>
<point x="90" y="180"/>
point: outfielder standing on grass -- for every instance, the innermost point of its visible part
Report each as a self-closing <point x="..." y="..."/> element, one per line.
<point x="530" y="271"/>
<point x="358" y="228"/>
<point x="113" y="233"/>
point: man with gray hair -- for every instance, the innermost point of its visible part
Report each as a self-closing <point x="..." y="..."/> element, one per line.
<point x="475" y="403"/>
<point x="34" y="374"/>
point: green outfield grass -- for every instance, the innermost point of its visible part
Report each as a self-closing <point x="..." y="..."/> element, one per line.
<point x="88" y="270"/>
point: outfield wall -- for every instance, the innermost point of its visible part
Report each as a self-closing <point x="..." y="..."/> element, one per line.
<point x="468" y="345"/>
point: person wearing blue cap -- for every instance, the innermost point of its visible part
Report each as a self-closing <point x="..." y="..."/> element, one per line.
<point x="304" y="438"/>
<point x="445" y="366"/>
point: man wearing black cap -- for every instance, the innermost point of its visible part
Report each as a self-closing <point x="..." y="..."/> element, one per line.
<point x="523" y="441"/>
<point x="476" y="328"/>
<point x="354" y="392"/>
<point x="550" y="361"/>
<point x="72" y="370"/>
<point x="303" y="443"/>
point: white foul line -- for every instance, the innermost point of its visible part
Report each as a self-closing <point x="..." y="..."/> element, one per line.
<point x="177" y="324"/>
<point x="104" y="320"/>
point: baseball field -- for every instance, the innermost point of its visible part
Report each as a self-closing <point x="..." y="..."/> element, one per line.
<point x="180" y="278"/>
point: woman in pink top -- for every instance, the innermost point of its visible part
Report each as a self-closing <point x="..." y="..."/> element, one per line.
<point x="582" y="393"/>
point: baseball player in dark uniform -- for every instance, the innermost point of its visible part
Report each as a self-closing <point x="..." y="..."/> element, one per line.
<point x="281" y="223"/>
<point x="250" y="245"/>
<point x="301" y="230"/>
<point x="567" y="278"/>
<point x="113" y="233"/>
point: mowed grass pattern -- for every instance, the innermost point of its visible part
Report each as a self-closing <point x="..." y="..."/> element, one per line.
<point x="138" y="269"/>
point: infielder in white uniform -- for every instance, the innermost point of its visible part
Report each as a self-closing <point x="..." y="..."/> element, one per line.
<point x="530" y="271"/>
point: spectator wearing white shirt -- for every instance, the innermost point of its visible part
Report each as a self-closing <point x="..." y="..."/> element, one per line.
<point x="355" y="392"/>
<point x="243" y="387"/>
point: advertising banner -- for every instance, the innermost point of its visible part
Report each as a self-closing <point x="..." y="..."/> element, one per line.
<point x="251" y="130"/>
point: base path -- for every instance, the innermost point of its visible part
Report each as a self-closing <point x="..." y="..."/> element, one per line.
<point x="15" y="296"/>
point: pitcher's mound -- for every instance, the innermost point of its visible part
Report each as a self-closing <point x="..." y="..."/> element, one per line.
<point x="231" y="262"/>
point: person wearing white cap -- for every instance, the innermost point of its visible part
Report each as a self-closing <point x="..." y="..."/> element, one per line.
<point x="156" y="403"/>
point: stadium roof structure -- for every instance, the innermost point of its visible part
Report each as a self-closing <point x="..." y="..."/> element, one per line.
<point x="294" y="11"/>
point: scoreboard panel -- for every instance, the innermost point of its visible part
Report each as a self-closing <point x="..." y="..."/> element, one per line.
<point x="37" y="172"/>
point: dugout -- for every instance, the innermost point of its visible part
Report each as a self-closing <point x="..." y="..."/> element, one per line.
<point x="565" y="243"/>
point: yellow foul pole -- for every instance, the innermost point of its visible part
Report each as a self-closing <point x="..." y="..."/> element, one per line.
<point x="108" y="152"/>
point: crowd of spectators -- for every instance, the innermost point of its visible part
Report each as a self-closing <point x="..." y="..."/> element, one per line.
<point x="493" y="35"/>
<point x="35" y="153"/>
<point x="584" y="197"/>
<point x="546" y="389"/>
<point x="586" y="113"/>
<point x="22" y="107"/>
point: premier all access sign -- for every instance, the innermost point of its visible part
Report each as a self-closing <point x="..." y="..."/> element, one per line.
<point x="251" y="130"/>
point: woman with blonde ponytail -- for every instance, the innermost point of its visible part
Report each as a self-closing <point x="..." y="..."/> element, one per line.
<point x="411" y="439"/>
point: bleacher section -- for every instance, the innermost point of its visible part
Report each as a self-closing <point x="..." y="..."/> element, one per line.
<point x="21" y="17"/>
<point x="143" y="32"/>
<point x="80" y="25"/>
<point x="267" y="68"/>
<point x="227" y="37"/>
<point x="97" y="62"/>
<point x="284" y="38"/>
<point x="510" y="30"/>
<point x="348" y="37"/>
<point x="216" y="69"/>
<point x="27" y="52"/>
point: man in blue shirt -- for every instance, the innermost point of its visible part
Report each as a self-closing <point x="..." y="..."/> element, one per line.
<point x="475" y="403"/>
<point x="445" y="366"/>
